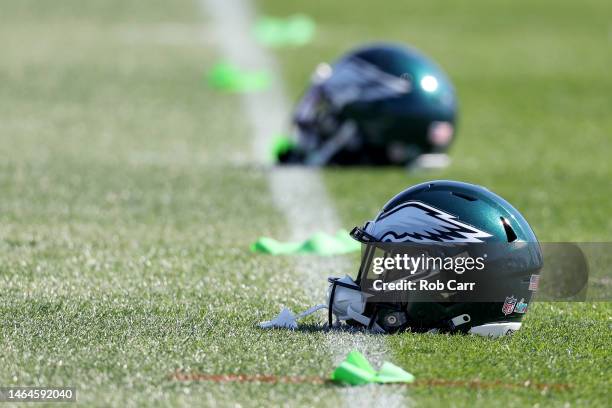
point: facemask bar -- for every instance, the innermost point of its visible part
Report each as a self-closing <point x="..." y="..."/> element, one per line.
<point x="326" y="151"/>
<point x="368" y="322"/>
<point x="360" y="235"/>
<point x="318" y="116"/>
<point x="350" y="313"/>
<point x="376" y="249"/>
<point x="321" y="134"/>
<point x="335" y="282"/>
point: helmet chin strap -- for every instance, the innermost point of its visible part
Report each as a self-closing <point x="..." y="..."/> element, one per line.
<point x="347" y="302"/>
<point x="370" y="323"/>
<point x="288" y="320"/>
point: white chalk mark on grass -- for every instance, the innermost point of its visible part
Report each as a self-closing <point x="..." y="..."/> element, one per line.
<point x="299" y="193"/>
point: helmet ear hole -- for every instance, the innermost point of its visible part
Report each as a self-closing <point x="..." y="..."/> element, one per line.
<point x="510" y="234"/>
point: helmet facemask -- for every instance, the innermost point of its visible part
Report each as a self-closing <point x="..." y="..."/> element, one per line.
<point x="323" y="130"/>
<point x="349" y="303"/>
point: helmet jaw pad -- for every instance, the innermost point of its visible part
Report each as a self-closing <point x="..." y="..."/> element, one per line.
<point x="347" y="302"/>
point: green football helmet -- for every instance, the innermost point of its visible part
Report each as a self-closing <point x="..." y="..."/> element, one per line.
<point x="383" y="104"/>
<point x="454" y="219"/>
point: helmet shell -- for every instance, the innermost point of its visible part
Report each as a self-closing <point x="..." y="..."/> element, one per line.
<point x="409" y="118"/>
<point x="382" y="104"/>
<point x="471" y="204"/>
<point x="507" y="238"/>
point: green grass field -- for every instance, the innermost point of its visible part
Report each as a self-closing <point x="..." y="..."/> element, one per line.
<point x="129" y="198"/>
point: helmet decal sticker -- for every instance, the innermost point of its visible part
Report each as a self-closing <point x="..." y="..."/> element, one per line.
<point x="359" y="80"/>
<point x="440" y="133"/>
<point x="521" y="306"/>
<point x="534" y="282"/>
<point x="509" y="304"/>
<point x="420" y="222"/>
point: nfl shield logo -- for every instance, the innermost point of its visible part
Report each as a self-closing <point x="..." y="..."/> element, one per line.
<point x="509" y="305"/>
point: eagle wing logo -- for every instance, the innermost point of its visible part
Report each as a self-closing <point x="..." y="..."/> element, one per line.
<point x="420" y="222"/>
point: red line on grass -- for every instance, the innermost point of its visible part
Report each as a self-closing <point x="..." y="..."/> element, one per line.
<point x="480" y="384"/>
<point x="275" y="379"/>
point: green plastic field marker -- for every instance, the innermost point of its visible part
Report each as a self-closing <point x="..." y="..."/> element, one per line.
<point x="296" y="30"/>
<point x="281" y="144"/>
<point x="230" y="78"/>
<point x="320" y="243"/>
<point x="390" y="373"/>
<point x="356" y="370"/>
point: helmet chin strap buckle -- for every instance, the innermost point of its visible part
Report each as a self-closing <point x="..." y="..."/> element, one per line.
<point x="459" y="320"/>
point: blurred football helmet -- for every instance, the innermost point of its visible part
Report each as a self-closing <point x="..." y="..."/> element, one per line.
<point x="383" y="104"/>
<point x="447" y="217"/>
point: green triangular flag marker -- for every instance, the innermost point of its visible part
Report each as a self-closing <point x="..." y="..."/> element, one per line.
<point x="295" y="30"/>
<point x="356" y="370"/>
<point x="318" y="244"/>
<point x="230" y="78"/>
<point x="357" y="359"/>
<point x="271" y="246"/>
<point x="390" y="373"/>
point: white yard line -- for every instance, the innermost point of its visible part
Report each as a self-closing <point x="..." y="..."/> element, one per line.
<point x="299" y="193"/>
